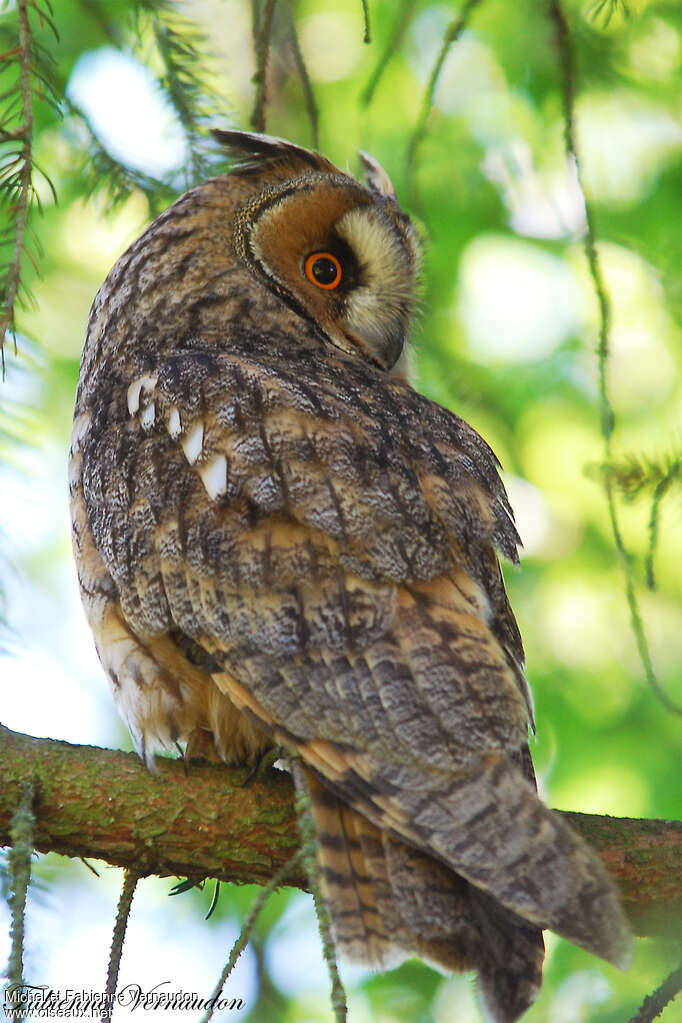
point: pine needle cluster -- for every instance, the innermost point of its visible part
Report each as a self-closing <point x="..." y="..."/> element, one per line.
<point x="26" y="78"/>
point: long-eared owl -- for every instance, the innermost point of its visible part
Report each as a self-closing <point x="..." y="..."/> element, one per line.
<point x="281" y="543"/>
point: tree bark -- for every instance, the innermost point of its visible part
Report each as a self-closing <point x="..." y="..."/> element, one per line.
<point x="205" y="820"/>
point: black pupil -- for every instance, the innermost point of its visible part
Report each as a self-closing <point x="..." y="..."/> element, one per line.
<point x="325" y="271"/>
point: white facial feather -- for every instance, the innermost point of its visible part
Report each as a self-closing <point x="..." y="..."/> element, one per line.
<point x="389" y="269"/>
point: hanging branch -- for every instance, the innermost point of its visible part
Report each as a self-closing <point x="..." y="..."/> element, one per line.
<point x="452" y="34"/>
<point x="367" y="38"/>
<point x="283" y="875"/>
<point x="659" y="494"/>
<point x="21" y="838"/>
<point x="100" y="171"/>
<point x="182" y="48"/>
<point x="262" y="28"/>
<point x="130" y="879"/>
<point x="654" y="1004"/>
<point x="565" y="50"/>
<point x="635" y="476"/>
<point x="17" y="176"/>
<point x="307" y="85"/>
<point x="402" y="20"/>
<point x="309" y="838"/>
<point x="17" y="190"/>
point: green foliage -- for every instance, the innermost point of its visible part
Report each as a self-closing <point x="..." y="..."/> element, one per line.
<point x="564" y="357"/>
<point x="27" y="72"/>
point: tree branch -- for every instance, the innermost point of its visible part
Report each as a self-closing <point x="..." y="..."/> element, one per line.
<point x="206" y="822"/>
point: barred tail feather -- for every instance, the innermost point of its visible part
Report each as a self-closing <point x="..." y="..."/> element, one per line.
<point x="388" y="902"/>
<point x="354" y="881"/>
<point x="459" y="927"/>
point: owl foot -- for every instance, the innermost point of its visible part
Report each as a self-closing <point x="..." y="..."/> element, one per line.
<point x="201" y="746"/>
<point x="263" y="764"/>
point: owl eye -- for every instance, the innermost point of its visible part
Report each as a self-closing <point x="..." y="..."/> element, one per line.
<point x="324" y="270"/>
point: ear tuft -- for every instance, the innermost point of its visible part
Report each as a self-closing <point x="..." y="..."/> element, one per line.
<point x="376" y="176"/>
<point x="252" y="150"/>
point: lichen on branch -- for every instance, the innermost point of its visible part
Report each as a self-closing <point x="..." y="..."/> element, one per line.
<point x="208" y="821"/>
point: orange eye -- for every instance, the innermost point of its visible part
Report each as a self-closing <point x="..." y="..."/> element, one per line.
<point x="324" y="270"/>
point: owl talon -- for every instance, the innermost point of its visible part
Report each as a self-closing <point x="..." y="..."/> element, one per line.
<point x="264" y="763"/>
<point x="182" y="754"/>
<point x="200" y="746"/>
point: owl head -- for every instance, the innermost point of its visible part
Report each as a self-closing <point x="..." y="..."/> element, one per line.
<point x="342" y="255"/>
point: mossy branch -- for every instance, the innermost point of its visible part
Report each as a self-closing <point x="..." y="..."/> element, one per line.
<point x="206" y="822"/>
<point x="103" y="804"/>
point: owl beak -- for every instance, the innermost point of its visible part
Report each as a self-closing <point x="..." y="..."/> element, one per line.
<point x="384" y="352"/>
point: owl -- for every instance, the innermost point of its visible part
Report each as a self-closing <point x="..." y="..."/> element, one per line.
<point x="281" y="544"/>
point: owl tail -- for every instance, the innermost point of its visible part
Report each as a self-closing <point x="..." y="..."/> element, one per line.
<point x="388" y="902"/>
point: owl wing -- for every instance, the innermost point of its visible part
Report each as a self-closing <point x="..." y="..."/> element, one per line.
<point x="328" y="538"/>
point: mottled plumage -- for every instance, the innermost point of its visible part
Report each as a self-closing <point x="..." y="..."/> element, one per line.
<point x="280" y="542"/>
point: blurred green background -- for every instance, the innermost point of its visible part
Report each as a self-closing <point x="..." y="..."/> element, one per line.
<point x="506" y="337"/>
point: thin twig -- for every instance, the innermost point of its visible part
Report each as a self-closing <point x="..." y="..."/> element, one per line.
<point x="308" y="93"/>
<point x="367" y="38"/>
<point x="654" y="1004"/>
<point x="659" y="493"/>
<point x="23" y="822"/>
<point x="130" y="879"/>
<point x="255" y="18"/>
<point x="240" y="944"/>
<point x="262" y="27"/>
<point x="402" y="20"/>
<point x="306" y="824"/>
<point x="452" y="34"/>
<point x="565" y="50"/>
